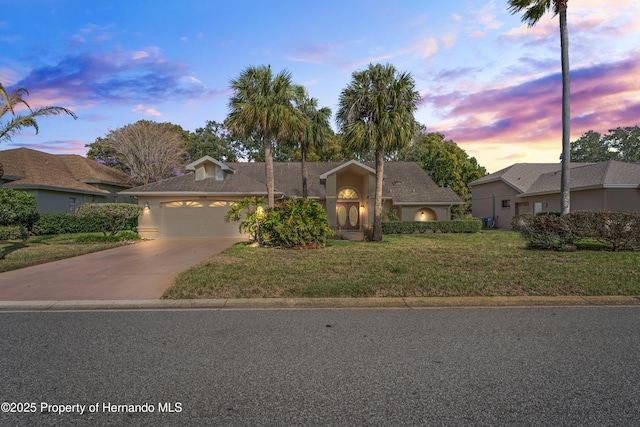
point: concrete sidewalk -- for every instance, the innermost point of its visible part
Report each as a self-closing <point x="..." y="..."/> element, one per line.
<point x="141" y="271"/>
<point x="322" y="303"/>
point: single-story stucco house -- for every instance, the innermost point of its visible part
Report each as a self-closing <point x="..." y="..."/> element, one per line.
<point x="194" y="205"/>
<point x="62" y="182"/>
<point x="535" y="187"/>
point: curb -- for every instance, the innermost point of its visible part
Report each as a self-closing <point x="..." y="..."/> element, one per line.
<point x="322" y="303"/>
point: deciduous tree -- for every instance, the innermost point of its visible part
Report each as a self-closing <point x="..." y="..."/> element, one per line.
<point x="622" y="144"/>
<point x="213" y="140"/>
<point x="444" y="161"/>
<point x="146" y="150"/>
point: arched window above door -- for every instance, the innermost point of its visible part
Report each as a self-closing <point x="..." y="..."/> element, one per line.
<point x="348" y="194"/>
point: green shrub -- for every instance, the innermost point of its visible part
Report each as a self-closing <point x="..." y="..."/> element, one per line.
<point x="253" y="209"/>
<point x="71" y="223"/>
<point x="390" y="215"/>
<point x="128" y="235"/>
<point x="111" y="217"/>
<point x="292" y="223"/>
<point x="295" y="223"/>
<point x="548" y="230"/>
<point x="618" y="230"/>
<point x="13" y="232"/>
<point x="17" y="208"/>
<point x="467" y="225"/>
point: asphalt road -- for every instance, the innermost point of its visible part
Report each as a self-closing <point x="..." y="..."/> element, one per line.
<point x="480" y="366"/>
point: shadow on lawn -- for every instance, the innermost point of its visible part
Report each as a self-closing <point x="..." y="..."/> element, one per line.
<point x="11" y="248"/>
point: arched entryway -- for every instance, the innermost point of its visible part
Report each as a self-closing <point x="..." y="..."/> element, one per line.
<point x="348" y="209"/>
<point x="425" y="214"/>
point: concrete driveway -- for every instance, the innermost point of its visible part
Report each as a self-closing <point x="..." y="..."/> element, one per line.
<point x="141" y="271"/>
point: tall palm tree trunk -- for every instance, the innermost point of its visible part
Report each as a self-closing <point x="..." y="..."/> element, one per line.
<point x="377" y="211"/>
<point x="565" y="189"/>
<point x="268" y="166"/>
<point x="305" y="174"/>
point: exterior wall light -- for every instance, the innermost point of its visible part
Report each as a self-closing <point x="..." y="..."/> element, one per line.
<point x="146" y="206"/>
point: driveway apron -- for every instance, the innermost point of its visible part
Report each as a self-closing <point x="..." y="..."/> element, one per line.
<point x="141" y="271"/>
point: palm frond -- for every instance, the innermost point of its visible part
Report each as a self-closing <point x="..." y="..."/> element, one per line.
<point x="534" y="10"/>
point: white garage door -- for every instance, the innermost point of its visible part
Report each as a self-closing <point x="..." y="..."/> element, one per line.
<point x="201" y="218"/>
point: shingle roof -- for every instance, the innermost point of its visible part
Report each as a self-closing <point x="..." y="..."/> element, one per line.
<point x="233" y="183"/>
<point x="405" y="182"/>
<point x="519" y="175"/>
<point x="536" y="178"/>
<point x="583" y="176"/>
<point x="26" y="168"/>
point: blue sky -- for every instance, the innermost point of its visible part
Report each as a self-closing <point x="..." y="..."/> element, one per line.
<point x="487" y="81"/>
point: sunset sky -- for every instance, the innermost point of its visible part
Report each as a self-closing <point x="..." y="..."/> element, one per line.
<point x="487" y="81"/>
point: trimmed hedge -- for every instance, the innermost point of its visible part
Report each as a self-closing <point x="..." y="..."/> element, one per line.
<point x="13" y="232"/>
<point x="72" y="223"/>
<point x="550" y="230"/>
<point x="121" y="236"/>
<point x="113" y="217"/>
<point x="467" y="225"/>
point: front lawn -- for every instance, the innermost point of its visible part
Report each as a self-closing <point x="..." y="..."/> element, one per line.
<point x="489" y="263"/>
<point x="42" y="249"/>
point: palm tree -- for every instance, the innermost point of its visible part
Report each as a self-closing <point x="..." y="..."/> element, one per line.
<point x="534" y="10"/>
<point x="261" y="106"/>
<point x="376" y="113"/>
<point x="8" y="102"/>
<point x="316" y="132"/>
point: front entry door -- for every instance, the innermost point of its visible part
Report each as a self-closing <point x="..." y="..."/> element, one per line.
<point x="348" y="215"/>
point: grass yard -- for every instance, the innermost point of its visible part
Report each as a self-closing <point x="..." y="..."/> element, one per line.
<point x="42" y="249"/>
<point x="490" y="263"/>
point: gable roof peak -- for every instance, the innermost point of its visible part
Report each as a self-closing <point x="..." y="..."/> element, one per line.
<point x="208" y="159"/>
<point x="345" y="165"/>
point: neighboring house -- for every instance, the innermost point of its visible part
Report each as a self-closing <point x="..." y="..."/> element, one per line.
<point x="535" y="187"/>
<point x="194" y="205"/>
<point x="61" y="182"/>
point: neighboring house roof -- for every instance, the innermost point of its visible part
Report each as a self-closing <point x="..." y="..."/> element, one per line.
<point x="31" y="169"/>
<point x="611" y="174"/>
<point x="405" y="182"/>
<point x="544" y="178"/>
<point x="520" y="176"/>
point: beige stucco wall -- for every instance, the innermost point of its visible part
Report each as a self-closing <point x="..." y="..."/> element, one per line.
<point x="622" y="199"/>
<point x="431" y="213"/>
<point x="611" y="199"/>
<point x="486" y="201"/>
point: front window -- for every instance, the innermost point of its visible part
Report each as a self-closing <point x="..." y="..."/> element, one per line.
<point x="506" y="203"/>
<point x="72" y="204"/>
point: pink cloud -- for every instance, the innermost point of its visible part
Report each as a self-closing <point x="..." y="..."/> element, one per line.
<point x="146" y="111"/>
<point x="116" y="76"/>
<point x="603" y="97"/>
